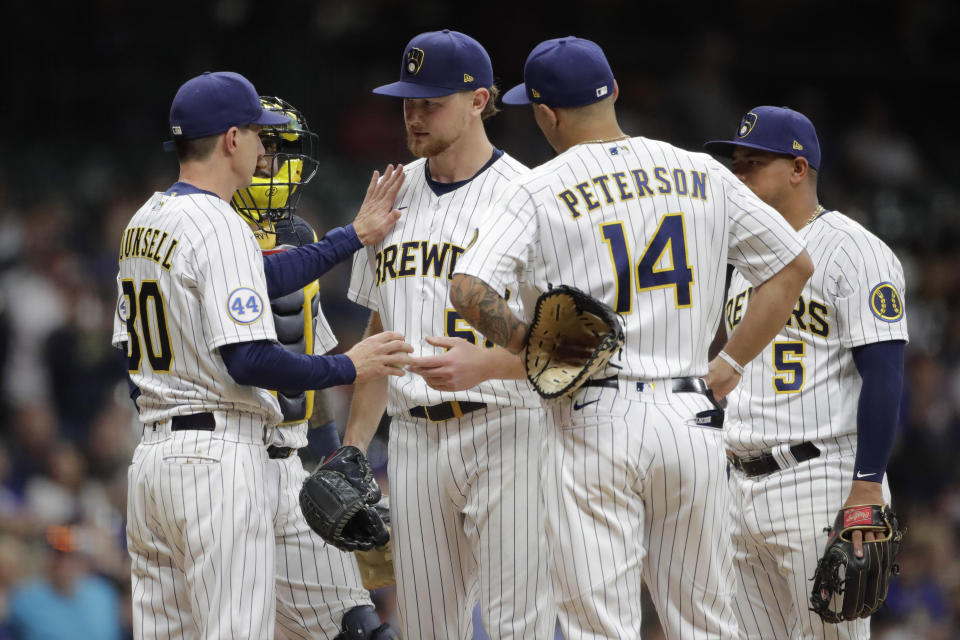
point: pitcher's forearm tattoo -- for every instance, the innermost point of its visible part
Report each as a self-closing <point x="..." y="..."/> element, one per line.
<point x="487" y="311"/>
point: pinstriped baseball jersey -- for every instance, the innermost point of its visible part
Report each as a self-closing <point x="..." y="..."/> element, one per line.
<point x="466" y="498"/>
<point x="805" y="385"/>
<point x="648" y="228"/>
<point x="191" y="280"/>
<point x="406" y="277"/>
<point x="636" y="224"/>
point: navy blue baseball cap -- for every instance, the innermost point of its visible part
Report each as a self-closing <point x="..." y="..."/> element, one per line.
<point x="776" y="129"/>
<point x="439" y="63"/>
<point x="213" y="102"/>
<point x="563" y="72"/>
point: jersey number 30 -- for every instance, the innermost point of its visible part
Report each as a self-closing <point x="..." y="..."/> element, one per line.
<point x="670" y="243"/>
<point x="148" y="308"/>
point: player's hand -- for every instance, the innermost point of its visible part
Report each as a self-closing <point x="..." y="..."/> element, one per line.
<point x="377" y="215"/>
<point x="863" y="492"/>
<point x="459" y="367"/>
<point x="383" y="354"/>
<point x="721" y="378"/>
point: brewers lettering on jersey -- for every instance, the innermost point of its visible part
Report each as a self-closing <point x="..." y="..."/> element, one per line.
<point x="811" y="424"/>
<point x="804" y="389"/>
<point x="648" y="228"/>
<point x="464" y="467"/>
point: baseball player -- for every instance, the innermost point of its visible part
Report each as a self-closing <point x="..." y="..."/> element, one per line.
<point x="464" y="468"/>
<point x="192" y="315"/>
<point x="639" y="474"/>
<point x="318" y="586"/>
<point x="811" y="425"/>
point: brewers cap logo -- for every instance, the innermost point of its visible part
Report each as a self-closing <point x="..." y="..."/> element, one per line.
<point x="414" y="60"/>
<point x="885" y="302"/>
<point x="746" y="125"/>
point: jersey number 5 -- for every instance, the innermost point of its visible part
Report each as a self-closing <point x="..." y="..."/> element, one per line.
<point x="149" y="309"/>
<point x="670" y="243"/>
<point x="788" y="362"/>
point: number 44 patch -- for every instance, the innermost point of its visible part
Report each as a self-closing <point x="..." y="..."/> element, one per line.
<point x="244" y="305"/>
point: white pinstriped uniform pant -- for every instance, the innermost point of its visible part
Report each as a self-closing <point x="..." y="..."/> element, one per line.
<point x="316" y="583"/>
<point x="777" y="527"/>
<point x="200" y="533"/>
<point x="641" y="498"/>
<point x="219" y="546"/>
<point x="468" y="524"/>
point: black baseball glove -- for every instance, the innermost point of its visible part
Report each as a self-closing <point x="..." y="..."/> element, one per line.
<point x="338" y="501"/>
<point x="571" y="338"/>
<point x="846" y="587"/>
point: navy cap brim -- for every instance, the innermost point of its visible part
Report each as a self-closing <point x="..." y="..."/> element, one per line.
<point x="271" y="119"/>
<point x="402" y="89"/>
<point x="725" y="147"/>
<point x="516" y="95"/>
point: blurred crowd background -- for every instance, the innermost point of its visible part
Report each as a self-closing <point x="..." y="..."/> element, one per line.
<point x="88" y="87"/>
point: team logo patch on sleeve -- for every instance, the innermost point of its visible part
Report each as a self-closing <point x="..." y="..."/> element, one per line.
<point x="885" y="302"/>
<point x="122" y="312"/>
<point x="244" y="305"/>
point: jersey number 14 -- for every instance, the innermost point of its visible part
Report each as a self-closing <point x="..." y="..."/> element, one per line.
<point x="668" y="243"/>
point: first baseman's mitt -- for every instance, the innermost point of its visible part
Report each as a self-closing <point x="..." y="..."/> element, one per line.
<point x="846" y="587"/>
<point x="376" y="565"/>
<point x="338" y="501"/>
<point x="572" y="337"/>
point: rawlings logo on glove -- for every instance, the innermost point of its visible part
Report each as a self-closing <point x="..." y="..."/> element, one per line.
<point x="846" y="587"/>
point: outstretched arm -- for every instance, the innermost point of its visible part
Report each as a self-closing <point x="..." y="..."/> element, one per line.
<point x="288" y="271"/>
<point x="369" y="401"/>
<point x="487" y="311"/>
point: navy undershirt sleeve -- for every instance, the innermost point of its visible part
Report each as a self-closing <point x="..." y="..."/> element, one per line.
<point x="269" y="366"/>
<point x="881" y="367"/>
<point x="293" y="269"/>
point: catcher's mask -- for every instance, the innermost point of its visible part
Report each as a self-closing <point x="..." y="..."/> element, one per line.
<point x="289" y="162"/>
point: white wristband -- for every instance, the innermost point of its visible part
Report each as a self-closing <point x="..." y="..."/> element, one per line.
<point x="726" y="357"/>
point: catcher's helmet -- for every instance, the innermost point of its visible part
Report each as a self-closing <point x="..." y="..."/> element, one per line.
<point x="290" y="161"/>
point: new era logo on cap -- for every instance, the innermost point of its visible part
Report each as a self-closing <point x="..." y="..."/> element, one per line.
<point x="774" y="129"/>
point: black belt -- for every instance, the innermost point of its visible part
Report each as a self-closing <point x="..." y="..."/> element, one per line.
<point x="765" y="463"/>
<point x="276" y="452"/>
<point x="193" y="422"/>
<point x="446" y="410"/>
<point x="690" y="384"/>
